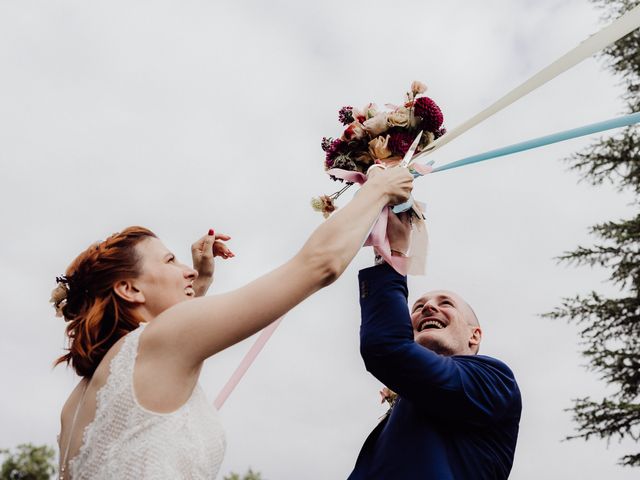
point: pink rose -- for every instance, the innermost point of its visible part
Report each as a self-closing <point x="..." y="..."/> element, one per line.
<point x="359" y="115"/>
<point x="355" y="131"/>
<point x="376" y="125"/>
<point x="418" y="87"/>
<point x="379" y="147"/>
<point x="399" y="117"/>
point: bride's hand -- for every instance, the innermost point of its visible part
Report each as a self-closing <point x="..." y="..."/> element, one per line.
<point x="203" y="252"/>
<point x="397" y="183"/>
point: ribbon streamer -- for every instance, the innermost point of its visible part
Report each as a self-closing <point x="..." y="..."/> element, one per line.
<point x="246" y="362"/>
<point x="605" y="37"/>
<point x="546" y="140"/>
<point x="618" y="29"/>
<point x="414" y="262"/>
<point x="378" y="236"/>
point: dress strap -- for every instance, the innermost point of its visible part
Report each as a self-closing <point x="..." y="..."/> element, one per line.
<point x="63" y="465"/>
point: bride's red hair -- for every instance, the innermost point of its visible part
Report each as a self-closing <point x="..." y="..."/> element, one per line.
<point x="97" y="317"/>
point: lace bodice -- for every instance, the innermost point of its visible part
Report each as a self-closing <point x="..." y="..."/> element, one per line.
<point x="127" y="441"/>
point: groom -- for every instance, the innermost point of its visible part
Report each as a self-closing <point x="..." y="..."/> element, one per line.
<point x="457" y="413"/>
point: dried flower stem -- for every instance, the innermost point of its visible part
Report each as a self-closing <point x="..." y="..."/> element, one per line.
<point x="335" y="195"/>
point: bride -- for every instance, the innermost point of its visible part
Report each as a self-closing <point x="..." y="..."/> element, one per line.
<point x="138" y="337"/>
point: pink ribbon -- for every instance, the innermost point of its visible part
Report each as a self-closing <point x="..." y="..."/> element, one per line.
<point x="348" y="175"/>
<point x="420" y="168"/>
<point x="378" y="237"/>
<point x="246" y="362"/>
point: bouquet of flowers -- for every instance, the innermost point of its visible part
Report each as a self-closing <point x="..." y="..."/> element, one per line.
<point x="379" y="136"/>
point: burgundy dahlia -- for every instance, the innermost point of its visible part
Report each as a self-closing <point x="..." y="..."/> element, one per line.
<point x="440" y="133"/>
<point x="328" y="163"/>
<point x="334" y="148"/>
<point x="345" y="115"/>
<point x="430" y="113"/>
<point x="400" y="141"/>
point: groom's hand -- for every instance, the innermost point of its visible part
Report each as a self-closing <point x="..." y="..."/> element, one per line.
<point x="399" y="233"/>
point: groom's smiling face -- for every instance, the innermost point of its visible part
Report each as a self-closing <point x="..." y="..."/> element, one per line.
<point x="443" y="322"/>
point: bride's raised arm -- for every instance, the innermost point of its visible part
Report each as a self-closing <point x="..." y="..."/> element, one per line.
<point x="192" y="331"/>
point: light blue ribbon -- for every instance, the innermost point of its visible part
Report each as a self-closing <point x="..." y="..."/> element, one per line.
<point x="403" y="207"/>
<point x="528" y="145"/>
<point x="546" y="140"/>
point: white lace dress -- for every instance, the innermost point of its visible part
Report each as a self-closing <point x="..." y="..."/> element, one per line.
<point x="126" y="441"/>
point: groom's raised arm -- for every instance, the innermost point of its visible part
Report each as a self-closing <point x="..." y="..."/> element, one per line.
<point x="415" y="372"/>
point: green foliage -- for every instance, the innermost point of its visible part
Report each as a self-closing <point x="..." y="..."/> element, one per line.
<point x="623" y="57"/>
<point x="250" y="475"/>
<point x="610" y="327"/>
<point x="28" y="462"/>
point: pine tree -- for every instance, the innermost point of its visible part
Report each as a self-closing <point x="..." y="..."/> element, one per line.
<point x="610" y="327"/>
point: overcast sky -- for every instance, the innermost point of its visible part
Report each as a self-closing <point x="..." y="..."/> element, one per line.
<point x="181" y="116"/>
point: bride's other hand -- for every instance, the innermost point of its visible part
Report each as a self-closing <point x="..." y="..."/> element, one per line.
<point x="203" y="252"/>
<point x="211" y="324"/>
<point x="220" y="249"/>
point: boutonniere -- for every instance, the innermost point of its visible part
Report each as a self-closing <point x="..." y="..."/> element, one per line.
<point x="388" y="396"/>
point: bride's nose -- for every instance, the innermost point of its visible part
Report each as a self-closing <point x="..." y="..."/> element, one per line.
<point x="191" y="273"/>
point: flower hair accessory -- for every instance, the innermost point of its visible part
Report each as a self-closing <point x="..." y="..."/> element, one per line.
<point x="378" y="137"/>
<point x="70" y="288"/>
<point x="59" y="295"/>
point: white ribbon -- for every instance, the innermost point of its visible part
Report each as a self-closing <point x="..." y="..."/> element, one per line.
<point x="618" y="29"/>
<point x="605" y="37"/>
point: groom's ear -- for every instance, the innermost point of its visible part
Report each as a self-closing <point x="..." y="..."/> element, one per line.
<point x="475" y="339"/>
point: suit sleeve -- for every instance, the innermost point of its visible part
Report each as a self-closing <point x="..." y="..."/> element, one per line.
<point x="478" y="389"/>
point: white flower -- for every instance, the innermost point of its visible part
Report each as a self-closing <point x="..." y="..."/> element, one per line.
<point x="323" y="204"/>
<point x="377" y="124"/>
<point x="418" y="87"/>
<point x="399" y="117"/>
<point x="59" y="298"/>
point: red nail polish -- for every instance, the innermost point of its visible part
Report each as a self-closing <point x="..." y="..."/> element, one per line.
<point x="211" y="232"/>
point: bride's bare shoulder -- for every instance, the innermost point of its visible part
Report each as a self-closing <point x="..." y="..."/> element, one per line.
<point x="98" y="379"/>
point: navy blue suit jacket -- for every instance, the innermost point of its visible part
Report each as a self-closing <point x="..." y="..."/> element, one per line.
<point x="456" y="418"/>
